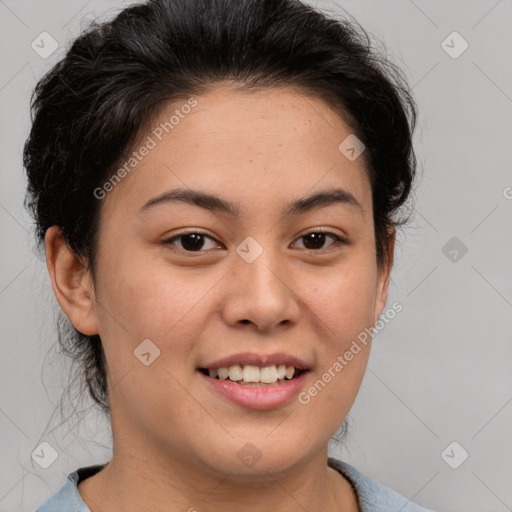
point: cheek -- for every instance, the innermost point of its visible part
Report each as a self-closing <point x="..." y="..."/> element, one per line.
<point x="343" y="301"/>
<point x="342" y="310"/>
<point x="146" y="300"/>
<point x="170" y="311"/>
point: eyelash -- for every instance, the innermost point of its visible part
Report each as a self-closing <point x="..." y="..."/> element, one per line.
<point x="337" y="240"/>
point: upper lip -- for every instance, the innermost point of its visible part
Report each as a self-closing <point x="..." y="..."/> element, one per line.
<point x="258" y="360"/>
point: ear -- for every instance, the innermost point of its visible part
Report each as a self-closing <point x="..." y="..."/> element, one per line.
<point x="384" y="274"/>
<point x="71" y="282"/>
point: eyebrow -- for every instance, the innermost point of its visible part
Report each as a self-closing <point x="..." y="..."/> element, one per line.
<point x="215" y="203"/>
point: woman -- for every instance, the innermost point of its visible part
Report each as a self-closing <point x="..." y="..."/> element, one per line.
<point x="217" y="184"/>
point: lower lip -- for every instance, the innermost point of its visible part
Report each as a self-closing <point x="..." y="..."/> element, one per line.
<point x="258" y="397"/>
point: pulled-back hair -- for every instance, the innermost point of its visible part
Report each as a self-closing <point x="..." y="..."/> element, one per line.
<point x="90" y="109"/>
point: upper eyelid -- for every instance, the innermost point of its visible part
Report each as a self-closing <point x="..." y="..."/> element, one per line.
<point x="339" y="238"/>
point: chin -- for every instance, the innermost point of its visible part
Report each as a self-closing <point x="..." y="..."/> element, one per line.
<point x="254" y="460"/>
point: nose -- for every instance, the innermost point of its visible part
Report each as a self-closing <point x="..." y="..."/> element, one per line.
<point x="261" y="294"/>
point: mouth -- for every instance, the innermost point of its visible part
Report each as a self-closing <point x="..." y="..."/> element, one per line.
<point x="256" y="381"/>
<point x="254" y="376"/>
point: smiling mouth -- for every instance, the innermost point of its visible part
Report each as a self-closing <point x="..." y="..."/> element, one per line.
<point x="251" y="375"/>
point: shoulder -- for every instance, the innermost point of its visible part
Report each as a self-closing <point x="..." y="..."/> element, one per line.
<point x="372" y="495"/>
<point x="68" y="499"/>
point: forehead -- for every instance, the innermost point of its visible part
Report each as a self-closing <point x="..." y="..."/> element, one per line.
<point x="245" y="144"/>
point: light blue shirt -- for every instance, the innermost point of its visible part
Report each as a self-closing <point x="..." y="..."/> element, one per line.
<point x="372" y="496"/>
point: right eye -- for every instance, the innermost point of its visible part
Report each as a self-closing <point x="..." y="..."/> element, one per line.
<point x="190" y="242"/>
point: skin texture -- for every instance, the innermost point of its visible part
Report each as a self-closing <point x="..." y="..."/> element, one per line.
<point x="175" y="439"/>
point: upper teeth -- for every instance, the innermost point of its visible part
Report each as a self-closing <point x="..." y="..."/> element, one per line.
<point x="250" y="373"/>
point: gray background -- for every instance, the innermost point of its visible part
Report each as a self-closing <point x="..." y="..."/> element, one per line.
<point x="439" y="372"/>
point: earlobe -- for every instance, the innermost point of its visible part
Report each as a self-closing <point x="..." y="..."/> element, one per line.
<point x="384" y="275"/>
<point x="71" y="282"/>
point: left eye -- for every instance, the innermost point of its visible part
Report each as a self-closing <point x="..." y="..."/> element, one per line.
<point x="316" y="239"/>
<point x="194" y="242"/>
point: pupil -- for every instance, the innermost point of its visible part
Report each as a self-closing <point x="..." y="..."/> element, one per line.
<point x="197" y="241"/>
<point x="316" y="238"/>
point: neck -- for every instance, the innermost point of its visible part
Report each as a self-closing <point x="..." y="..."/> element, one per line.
<point x="131" y="483"/>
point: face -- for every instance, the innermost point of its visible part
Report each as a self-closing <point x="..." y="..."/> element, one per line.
<point x="239" y="272"/>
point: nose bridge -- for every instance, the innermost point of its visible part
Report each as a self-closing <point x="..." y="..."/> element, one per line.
<point x="261" y="293"/>
<point x="261" y="272"/>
